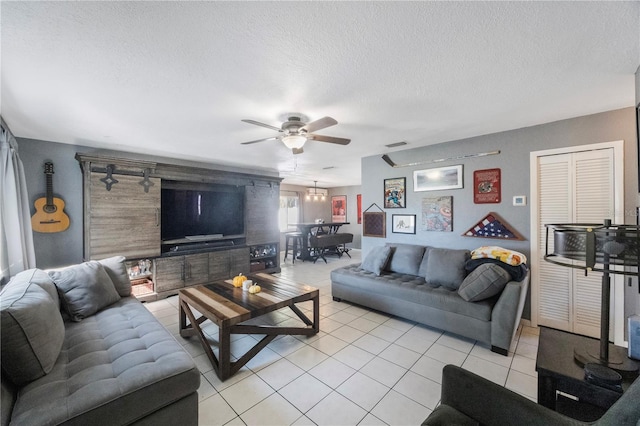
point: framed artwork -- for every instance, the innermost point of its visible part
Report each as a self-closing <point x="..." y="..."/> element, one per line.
<point x="486" y="186"/>
<point x="394" y="193"/>
<point x="438" y="179"/>
<point x="359" y="201"/>
<point x="339" y="208"/>
<point x="403" y="223"/>
<point x="437" y="214"/>
<point x="374" y="224"/>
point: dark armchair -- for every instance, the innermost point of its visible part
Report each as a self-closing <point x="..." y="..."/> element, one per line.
<point x="468" y="399"/>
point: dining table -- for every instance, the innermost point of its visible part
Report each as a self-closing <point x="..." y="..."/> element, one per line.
<point x="308" y="228"/>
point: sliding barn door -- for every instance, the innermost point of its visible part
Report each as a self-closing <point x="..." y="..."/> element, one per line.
<point x="576" y="187"/>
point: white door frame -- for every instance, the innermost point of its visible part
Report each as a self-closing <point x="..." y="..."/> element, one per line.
<point x="617" y="287"/>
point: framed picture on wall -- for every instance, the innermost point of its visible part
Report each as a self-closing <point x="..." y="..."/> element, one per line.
<point x="394" y="193"/>
<point x="403" y="223"/>
<point x="438" y="179"/>
<point x="374" y="224"/>
<point x="486" y="186"/>
<point x="359" y="200"/>
<point x="437" y="214"/>
<point x="339" y="208"/>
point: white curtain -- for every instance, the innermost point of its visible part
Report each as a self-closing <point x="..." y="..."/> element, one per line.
<point x="16" y="239"/>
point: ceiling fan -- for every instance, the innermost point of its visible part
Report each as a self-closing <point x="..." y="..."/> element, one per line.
<point x="295" y="132"/>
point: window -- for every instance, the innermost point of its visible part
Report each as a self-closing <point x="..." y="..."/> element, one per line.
<point x="289" y="211"/>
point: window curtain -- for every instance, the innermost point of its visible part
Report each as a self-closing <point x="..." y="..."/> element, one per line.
<point x="16" y="239"/>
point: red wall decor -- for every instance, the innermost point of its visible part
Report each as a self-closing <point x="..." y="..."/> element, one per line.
<point x="486" y="186"/>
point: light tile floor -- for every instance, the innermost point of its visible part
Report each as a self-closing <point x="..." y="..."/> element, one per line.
<point x="363" y="368"/>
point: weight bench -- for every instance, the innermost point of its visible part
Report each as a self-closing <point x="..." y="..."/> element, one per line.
<point x="329" y="244"/>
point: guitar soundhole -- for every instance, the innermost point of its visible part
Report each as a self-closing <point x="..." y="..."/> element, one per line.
<point x="49" y="208"/>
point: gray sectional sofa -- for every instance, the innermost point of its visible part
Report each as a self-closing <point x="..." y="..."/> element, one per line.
<point x="432" y="286"/>
<point x="78" y="349"/>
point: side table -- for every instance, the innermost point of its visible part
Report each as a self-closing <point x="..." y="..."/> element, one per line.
<point x="558" y="372"/>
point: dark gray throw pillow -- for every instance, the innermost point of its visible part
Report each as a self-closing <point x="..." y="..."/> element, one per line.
<point x="84" y="289"/>
<point x="376" y="259"/>
<point x="445" y="267"/>
<point x="117" y="271"/>
<point x="483" y="282"/>
<point x="406" y="258"/>
<point x="32" y="327"/>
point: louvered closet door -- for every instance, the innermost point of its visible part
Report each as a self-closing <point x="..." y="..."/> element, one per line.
<point x="594" y="201"/>
<point x="554" y="282"/>
<point x="573" y="188"/>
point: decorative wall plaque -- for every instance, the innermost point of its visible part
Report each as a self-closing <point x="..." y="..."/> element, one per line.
<point x="486" y="186"/>
<point x="493" y="226"/>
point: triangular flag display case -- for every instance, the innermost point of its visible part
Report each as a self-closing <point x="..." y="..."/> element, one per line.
<point x="493" y="226"/>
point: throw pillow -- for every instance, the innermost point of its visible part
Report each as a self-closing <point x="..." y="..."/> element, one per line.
<point x="117" y="271"/>
<point x="422" y="270"/>
<point x="376" y="259"/>
<point x="32" y="327"/>
<point x="511" y="257"/>
<point x="483" y="282"/>
<point x="84" y="289"/>
<point x="406" y="258"/>
<point x="445" y="267"/>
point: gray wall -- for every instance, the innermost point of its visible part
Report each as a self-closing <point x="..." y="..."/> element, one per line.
<point x="65" y="248"/>
<point x="62" y="248"/>
<point x="515" y="146"/>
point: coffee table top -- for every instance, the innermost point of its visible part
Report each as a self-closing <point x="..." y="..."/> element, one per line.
<point x="226" y="305"/>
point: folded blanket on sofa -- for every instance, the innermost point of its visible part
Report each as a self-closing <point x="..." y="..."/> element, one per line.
<point x="517" y="272"/>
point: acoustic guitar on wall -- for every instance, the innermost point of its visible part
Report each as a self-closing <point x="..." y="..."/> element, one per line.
<point x="49" y="215"/>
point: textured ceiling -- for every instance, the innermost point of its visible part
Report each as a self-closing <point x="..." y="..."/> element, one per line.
<point x="176" y="78"/>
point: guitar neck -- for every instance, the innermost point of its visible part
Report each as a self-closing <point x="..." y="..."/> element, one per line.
<point x="49" y="194"/>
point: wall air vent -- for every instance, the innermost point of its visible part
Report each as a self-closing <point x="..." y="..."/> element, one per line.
<point x="394" y="145"/>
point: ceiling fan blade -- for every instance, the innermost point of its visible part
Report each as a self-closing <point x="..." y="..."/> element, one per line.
<point x="319" y="124"/>
<point x="297" y="150"/>
<point x="330" y="139"/>
<point x="268" y="126"/>
<point x="259" y="140"/>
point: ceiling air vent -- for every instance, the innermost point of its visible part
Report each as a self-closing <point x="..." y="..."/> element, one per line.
<point x="394" y="145"/>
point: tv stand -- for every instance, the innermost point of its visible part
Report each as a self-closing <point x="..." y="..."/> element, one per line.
<point x="123" y="215"/>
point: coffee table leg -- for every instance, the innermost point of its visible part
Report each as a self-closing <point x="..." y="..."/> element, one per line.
<point x="195" y="328"/>
<point x="224" y="340"/>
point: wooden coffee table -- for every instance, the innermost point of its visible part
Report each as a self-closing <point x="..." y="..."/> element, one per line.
<point x="228" y="306"/>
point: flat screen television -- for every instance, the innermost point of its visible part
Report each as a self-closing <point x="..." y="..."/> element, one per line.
<point x="200" y="211"/>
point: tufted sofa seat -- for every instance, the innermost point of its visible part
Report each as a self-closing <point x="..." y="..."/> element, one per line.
<point x="118" y="366"/>
<point x="423" y="284"/>
<point x="414" y="289"/>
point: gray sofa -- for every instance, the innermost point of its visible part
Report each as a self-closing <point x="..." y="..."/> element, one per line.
<point x="78" y="349"/>
<point x="470" y="400"/>
<point x="432" y="286"/>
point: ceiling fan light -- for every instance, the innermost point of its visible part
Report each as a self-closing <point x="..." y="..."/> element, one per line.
<point x="294" y="141"/>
